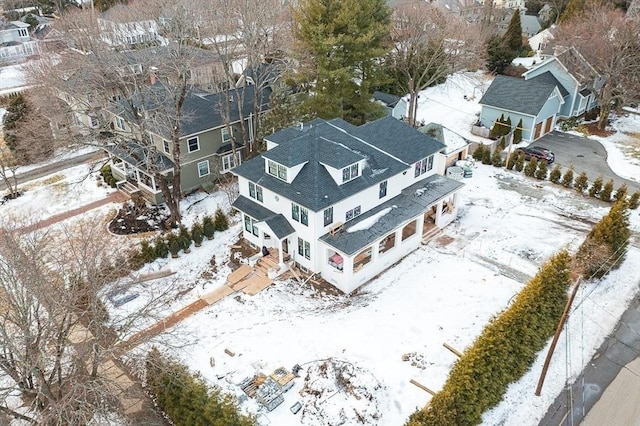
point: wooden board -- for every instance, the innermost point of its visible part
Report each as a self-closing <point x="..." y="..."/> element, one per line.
<point x="239" y="274"/>
<point x="256" y="284"/>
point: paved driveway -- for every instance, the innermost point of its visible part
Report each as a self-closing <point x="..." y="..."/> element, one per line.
<point x="584" y="154"/>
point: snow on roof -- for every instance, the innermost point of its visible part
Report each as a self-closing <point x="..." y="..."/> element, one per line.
<point x="369" y="222"/>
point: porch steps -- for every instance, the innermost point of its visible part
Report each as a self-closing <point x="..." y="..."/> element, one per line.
<point x="431" y="234"/>
<point x="257" y="283"/>
<point x="238" y="275"/>
<point x="128" y="188"/>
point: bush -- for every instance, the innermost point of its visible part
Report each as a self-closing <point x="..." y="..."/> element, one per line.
<point x="517" y="133"/>
<point x="568" y="124"/>
<point x="220" y="221"/>
<point x="519" y="163"/>
<point x="478" y="153"/>
<point x="107" y="176"/>
<point x="185" y="238"/>
<point x="147" y="251"/>
<point x="208" y="229"/>
<point x="582" y="183"/>
<point x="541" y="172"/>
<point x="187" y="399"/>
<point x="486" y="156"/>
<point x="173" y="242"/>
<point x="567" y="179"/>
<point x="607" y="189"/>
<point x="502" y="144"/>
<point x="555" y="174"/>
<point x="496" y="159"/>
<point x="162" y="249"/>
<point x="196" y="234"/>
<point x="511" y="161"/>
<point x="531" y="167"/>
<point x="504" y="352"/>
<point x="634" y="200"/>
<point x="596" y="187"/>
<point x="621" y="193"/>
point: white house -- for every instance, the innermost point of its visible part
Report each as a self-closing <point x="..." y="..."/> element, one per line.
<point x="15" y="42"/>
<point x="119" y="28"/>
<point x="343" y="201"/>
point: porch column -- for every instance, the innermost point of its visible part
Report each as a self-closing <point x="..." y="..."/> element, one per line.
<point x="137" y="175"/>
<point x="438" y="213"/>
<point x="456" y="200"/>
<point x="280" y="255"/>
<point x="153" y="183"/>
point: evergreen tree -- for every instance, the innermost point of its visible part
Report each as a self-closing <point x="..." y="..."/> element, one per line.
<point x="173" y="244"/>
<point x="519" y="163"/>
<point x="496" y="158"/>
<point x="345" y="39"/>
<point x="496" y="130"/>
<point x="513" y="35"/>
<point x="147" y="252"/>
<point x="517" y="133"/>
<point x="511" y="161"/>
<point x="541" y="172"/>
<point x="486" y="156"/>
<point x="555" y="174"/>
<point x="634" y="200"/>
<point x="582" y="183"/>
<point x="531" y="167"/>
<point x="596" y="187"/>
<point x="502" y="144"/>
<point x="499" y="55"/>
<point x="478" y="153"/>
<point x="197" y="234"/>
<point x="208" y="229"/>
<point x="621" y="193"/>
<point x="507" y="127"/>
<point x="567" y="179"/>
<point x="607" y="189"/>
<point x="220" y="221"/>
<point x="162" y="249"/>
<point x="185" y="239"/>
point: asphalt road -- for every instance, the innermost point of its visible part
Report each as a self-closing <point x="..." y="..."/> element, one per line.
<point x="48" y="169"/>
<point x="583" y="154"/>
<point x="612" y="366"/>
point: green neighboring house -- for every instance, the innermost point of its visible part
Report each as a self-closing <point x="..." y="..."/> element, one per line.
<point x="205" y="143"/>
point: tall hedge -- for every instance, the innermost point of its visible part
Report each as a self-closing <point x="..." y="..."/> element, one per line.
<point x="504" y="351"/>
<point x="186" y="399"/>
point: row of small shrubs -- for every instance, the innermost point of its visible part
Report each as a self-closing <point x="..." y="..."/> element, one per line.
<point x="509" y="344"/>
<point x="187" y="399"/>
<point x="172" y="242"/>
<point x="539" y="170"/>
<point x="107" y="176"/>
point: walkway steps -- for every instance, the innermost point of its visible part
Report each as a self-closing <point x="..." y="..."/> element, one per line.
<point x="256" y="284"/>
<point x="217" y="294"/>
<point x="239" y="274"/>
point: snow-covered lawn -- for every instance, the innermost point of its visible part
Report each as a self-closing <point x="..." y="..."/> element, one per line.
<point x="444" y="292"/>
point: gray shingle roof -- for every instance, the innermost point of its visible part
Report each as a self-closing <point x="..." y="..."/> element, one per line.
<point x="313" y="187"/>
<point x="547" y="77"/>
<point x="280" y="226"/>
<point x="518" y="95"/>
<point x="252" y="208"/>
<point x="413" y="201"/>
<point x="139" y="156"/>
<point x="386" y="98"/>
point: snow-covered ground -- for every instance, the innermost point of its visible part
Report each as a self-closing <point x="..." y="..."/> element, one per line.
<point x="351" y="349"/>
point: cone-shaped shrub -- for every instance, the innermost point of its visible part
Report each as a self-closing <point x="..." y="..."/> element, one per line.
<point x="567" y="178"/>
<point x="174" y="244"/>
<point x="621" y="193"/>
<point x="196" y="234"/>
<point x="510" y="161"/>
<point x="162" y="249"/>
<point x="185" y="239"/>
<point x="503" y="352"/>
<point x="634" y="200"/>
<point x="556" y="174"/>
<point x="496" y="159"/>
<point x="147" y="251"/>
<point x="517" y="133"/>
<point x="502" y="144"/>
<point x="607" y="189"/>
<point x="582" y="183"/>
<point x="220" y="221"/>
<point x="207" y="227"/>
<point x="596" y="187"/>
<point x="519" y="163"/>
<point x="486" y="156"/>
<point x="541" y="172"/>
<point x="531" y="167"/>
<point x="478" y="153"/>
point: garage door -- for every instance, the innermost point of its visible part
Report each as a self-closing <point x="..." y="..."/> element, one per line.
<point x="547" y="127"/>
<point x="538" y="130"/>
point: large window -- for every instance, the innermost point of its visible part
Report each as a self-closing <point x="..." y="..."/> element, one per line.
<point x="328" y="216"/>
<point x="255" y="191"/>
<point x="354" y="212"/>
<point x="304" y="248"/>
<point x="228" y="163"/>
<point x="383" y="189"/>
<point x="250" y="225"/>
<point x="299" y="214"/>
<point x="350" y="172"/>
<point x="193" y="144"/>
<point x="424" y="166"/>
<point x="203" y="168"/>
<point x="277" y="170"/>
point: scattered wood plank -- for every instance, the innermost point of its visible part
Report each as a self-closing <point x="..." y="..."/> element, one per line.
<point x="452" y="349"/>
<point x="155" y="275"/>
<point x="229" y="352"/>
<point x="421" y="386"/>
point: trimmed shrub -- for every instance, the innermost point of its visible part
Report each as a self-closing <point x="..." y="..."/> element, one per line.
<point x="496" y="159"/>
<point x="582" y="183"/>
<point x="517" y="133"/>
<point x="185" y="239"/>
<point x="147" y="251"/>
<point x="607" y="189"/>
<point x="504" y="351"/>
<point x="162" y="249"/>
<point x="478" y="153"/>
<point x="596" y="187"/>
<point x="555" y="174"/>
<point x="196" y="234"/>
<point x="208" y="229"/>
<point x="621" y="193"/>
<point x="519" y="163"/>
<point x="173" y="242"/>
<point x="220" y="221"/>
<point x="541" y="172"/>
<point x="107" y="176"/>
<point x="502" y="144"/>
<point x="187" y="399"/>
<point x="567" y="179"/>
<point x="486" y="156"/>
<point x="511" y="161"/>
<point x="531" y="167"/>
<point x="634" y="200"/>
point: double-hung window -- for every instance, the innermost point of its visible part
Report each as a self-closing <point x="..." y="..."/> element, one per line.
<point x="203" y="168"/>
<point x="255" y="191"/>
<point x="226" y="134"/>
<point x="299" y="214"/>
<point x="304" y="248"/>
<point x="193" y="144"/>
<point x="351" y="172"/>
<point x="383" y="189"/>
<point x="328" y="216"/>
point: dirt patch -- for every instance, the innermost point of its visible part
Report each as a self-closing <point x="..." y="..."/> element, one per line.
<point x="137" y="216"/>
<point x="592" y="129"/>
<point x="444" y="241"/>
<point x="241" y="249"/>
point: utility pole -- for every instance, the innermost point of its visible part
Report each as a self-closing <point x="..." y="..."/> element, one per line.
<point x="556" y="336"/>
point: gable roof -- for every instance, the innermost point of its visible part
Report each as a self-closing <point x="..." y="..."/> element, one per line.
<point x="577" y="65"/>
<point x="548" y="78"/>
<point x="387" y="145"/>
<point x="530" y="24"/>
<point x="451" y="139"/>
<point x="386" y="98"/>
<point x="518" y="95"/>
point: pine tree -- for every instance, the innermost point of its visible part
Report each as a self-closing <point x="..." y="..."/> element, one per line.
<point x="541" y="172"/>
<point x="511" y="161"/>
<point x="499" y="55"/>
<point x="147" y="251"/>
<point x="634" y="200"/>
<point x="607" y="189"/>
<point x="162" y="249"/>
<point x="513" y="35"/>
<point x="344" y="40"/>
<point x="208" y="229"/>
<point x="496" y="158"/>
<point x="621" y="193"/>
<point x="519" y="163"/>
<point x="555" y="174"/>
<point x="486" y="156"/>
<point x="531" y="167"/>
<point x="185" y="239"/>
<point x="220" y="222"/>
<point x="567" y="179"/>
<point x="596" y="187"/>
<point x="478" y="153"/>
<point x="502" y="144"/>
<point x="173" y="244"/>
<point x="507" y="127"/>
<point x="582" y="183"/>
<point x="197" y="234"/>
<point x="517" y="133"/>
